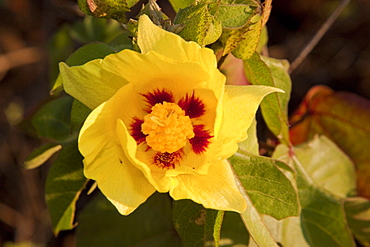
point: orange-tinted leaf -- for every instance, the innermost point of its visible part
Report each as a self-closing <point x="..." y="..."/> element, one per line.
<point x="344" y="118"/>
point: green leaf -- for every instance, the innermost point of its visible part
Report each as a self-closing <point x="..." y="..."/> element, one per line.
<point x="40" y="155"/>
<point x="121" y="42"/>
<point x="326" y="164"/>
<point x="246" y="47"/>
<point x="322" y="217"/>
<point x="322" y="221"/>
<point x="257" y="229"/>
<point x="233" y="231"/>
<point x="107" y="8"/>
<point x="79" y="113"/>
<point x="234" y="16"/>
<point x="181" y="4"/>
<point x="199" y="24"/>
<point x="52" y="120"/>
<point x="194" y="223"/>
<point x="96" y="50"/>
<point x="100" y="224"/>
<point x="358" y="217"/>
<point x="83" y="55"/>
<point x="63" y="187"/>
<point x="92" y="29"/>
<point x="274" y="106"/>
<point x="270" y="190"/>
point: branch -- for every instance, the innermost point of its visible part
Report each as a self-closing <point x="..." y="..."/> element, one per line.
<point x="320" y="33"/>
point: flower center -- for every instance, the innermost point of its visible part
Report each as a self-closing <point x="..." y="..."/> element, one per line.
<point x="167" y="127"/>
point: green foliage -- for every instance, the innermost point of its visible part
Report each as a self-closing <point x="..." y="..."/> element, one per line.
<point x="63" y="186"/>
<point x="269" y="189"/>
<point x="79" y="113"/>
<point x="322" y="218"/>
<point x="150" y="225"/>
<point x="40" y="155"/>
<point x="181" y="4"/>
<point x="200" y="25"/>
<point x="195" y="224"/>
<point x="52" y="120"/>
<point x="114" y="9"/>
<point x="275" y="106"/>
<point x="358" y="217"/>
<point x="319" y="178"/>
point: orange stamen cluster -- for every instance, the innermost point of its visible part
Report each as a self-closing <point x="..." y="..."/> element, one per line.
<point x="167" y="128"/>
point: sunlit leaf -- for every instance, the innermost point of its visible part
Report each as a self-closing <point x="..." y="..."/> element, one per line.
<point x="272" y="72"/>
<point x="256" y="227"/>
<point x="193" y="222"/>
<point x="181" y="4"/>
<point x="270" y="190"/>
<point x="322" y="221"/>
<point x="231" y="38"/>
<point x="107" y="8"/>
<point x="41" y="155"/>
<point x="233" y="16"/>
<point x="248" y="46"/>
<point x="199" y="24"/>
<point x="100" y="224"/>
<point x="342" y="117"/>
<point x="63" y="186"/>
<point x="52" y="120"/>
<point x="326" y="164"/>
<point x="358" y="217"/>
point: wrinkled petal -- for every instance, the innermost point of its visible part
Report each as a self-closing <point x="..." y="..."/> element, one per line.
<point x="217" y="189"/>
<point x="100" y="125"/>
<point x="240" y="104"/>
<point x="105" y="162"/>
<point x="88" y="82"/>
<point x="154" y="176"/>
<point x="126" y="187"/>
<point x="152" y="71"/>
<point x="154" y="38"/>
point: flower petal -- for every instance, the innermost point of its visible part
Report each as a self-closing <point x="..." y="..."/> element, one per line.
<point x="240" y="104"/>
<point x="154" y="176"/>
<point x="100" y="125"/>
<point x="105" y="161"/>
<point x="153" y="71"/>
<point x="216" y="190"/>
<point x="90" y="83"/>
<point x="154" y="38"/>
<point x="122" y="183"/>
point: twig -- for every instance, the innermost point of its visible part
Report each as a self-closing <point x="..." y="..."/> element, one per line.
<point x="320" y="33"/>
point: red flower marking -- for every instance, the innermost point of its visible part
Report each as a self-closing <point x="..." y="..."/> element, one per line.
<point x="193" y="106"/>
<point x="135" y="129"/>
<point x="199" y="143"/>
<point x="158" y="96"/>
<point x="168" y="160"/>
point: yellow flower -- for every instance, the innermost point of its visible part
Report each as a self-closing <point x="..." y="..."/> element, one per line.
<point x="162" y="120"/>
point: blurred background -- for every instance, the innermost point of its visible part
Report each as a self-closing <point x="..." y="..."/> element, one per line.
<point x="37" y="34"/>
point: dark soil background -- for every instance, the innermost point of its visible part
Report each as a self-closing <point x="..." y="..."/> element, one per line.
<point x="341" y="60"/>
